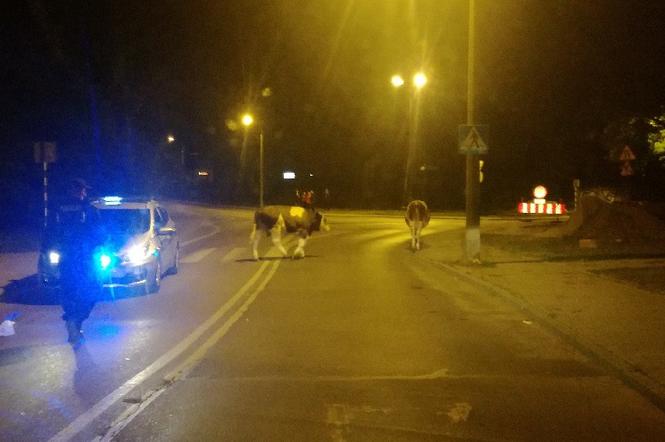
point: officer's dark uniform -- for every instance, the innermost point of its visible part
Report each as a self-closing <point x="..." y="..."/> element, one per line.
<point x="75" y="234"/>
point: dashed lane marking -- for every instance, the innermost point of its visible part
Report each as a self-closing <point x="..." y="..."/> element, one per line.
<point x="197" y="256"/>
<point x="235" y="253"/>
<point x="215" y="231"/>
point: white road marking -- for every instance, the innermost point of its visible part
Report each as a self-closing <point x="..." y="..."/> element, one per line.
<point x="234" y="253"/>
<point x="339" y="417"/>
<point x="100" y="407"/>
<point x="460" y="412"/>
<point x="186" y="366"/>
<point x="197" y="256"/>
<point x="215" y="231"/>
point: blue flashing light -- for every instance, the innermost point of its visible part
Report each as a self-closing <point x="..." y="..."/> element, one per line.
<point x="104" y="261"/>
<point x="54" y="257"/>
<point x="112" y="200"/>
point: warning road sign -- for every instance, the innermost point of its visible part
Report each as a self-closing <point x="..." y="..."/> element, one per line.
<point x="626" y="154"/>
<point x="626" y="169"/>
<point x="45" y="152"/>
<point x="473" y="139"/>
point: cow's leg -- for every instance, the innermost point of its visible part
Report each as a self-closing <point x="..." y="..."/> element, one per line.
<point x="255" y="238"/>
<point x="277" y="240"/>
<point x="412" y="229"/>
<point x="299" y="252"/>
<point x="418" y="230"/>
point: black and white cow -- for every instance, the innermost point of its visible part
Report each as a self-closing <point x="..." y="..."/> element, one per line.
<point x="273" y="220"/>
<point x="417" y="218"/>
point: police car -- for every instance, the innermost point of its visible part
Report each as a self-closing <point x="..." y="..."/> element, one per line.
<point x="140" y="245"/>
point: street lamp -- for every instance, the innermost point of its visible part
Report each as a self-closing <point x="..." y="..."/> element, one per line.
<point x="418" y="81"/>
<point x="397" y="81"/>
<point x="248" y="120"/>
<point x="170" y="139"/>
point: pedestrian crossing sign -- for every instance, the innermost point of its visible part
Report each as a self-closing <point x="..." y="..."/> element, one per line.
<point x="473" y="138"/>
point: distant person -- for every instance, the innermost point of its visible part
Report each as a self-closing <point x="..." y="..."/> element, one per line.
<point x="326" y="198"/>
<point x="75" y="234"/>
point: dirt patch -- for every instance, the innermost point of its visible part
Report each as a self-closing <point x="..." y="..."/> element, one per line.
<point x="599" y="229"/>
<point x="614" y="222"/>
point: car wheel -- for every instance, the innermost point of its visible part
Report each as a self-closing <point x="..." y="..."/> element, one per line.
<point x="176" y="261"/>
<point x="154" y="279"/>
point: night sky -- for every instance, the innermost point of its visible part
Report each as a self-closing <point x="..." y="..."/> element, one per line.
<point x="109" y="80"/>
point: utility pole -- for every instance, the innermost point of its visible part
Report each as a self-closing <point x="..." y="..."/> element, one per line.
<point x="472" y="232"/>
<point x="261" y="168"/>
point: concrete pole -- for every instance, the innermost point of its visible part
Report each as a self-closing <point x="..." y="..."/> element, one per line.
<point x="472" y="232"/>
<point x="261" y="169"/>
<point x="410" y="149"/>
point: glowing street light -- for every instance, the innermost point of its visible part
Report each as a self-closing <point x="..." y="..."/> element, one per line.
<point x="247" y="120"/>
<point x="419" y="80"/>
<point x="170" y="138"/>
<point x="397" y="81"/>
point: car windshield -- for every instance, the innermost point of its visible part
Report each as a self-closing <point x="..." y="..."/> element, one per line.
<point x="125" y="220"/>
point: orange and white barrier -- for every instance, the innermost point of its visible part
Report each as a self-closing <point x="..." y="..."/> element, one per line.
<point x="541" y="208"/>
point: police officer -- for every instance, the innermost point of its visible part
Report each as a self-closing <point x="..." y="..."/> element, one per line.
<point x="76" y="232"/>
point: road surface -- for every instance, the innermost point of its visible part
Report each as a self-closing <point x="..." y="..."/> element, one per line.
<point x="361" y="340"/>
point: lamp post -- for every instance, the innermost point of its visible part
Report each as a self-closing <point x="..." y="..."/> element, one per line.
<point x="247" y="121"/>
<point x="418" y="82"/>
<point x="170" y="139"/>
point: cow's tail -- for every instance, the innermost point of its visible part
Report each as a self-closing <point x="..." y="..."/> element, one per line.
<point x="252" y="235"/>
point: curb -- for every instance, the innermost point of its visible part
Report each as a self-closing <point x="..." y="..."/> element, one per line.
<point x="649" y="388"/>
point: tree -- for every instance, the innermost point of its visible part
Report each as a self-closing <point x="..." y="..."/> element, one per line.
<point x="646" y="138"/>
<point x="656" y="136"/>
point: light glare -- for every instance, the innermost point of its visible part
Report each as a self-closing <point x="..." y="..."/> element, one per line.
<point x="247" y="120"/>
<point x="137" y="254"/>
<point x="104" y="261"/>
<point x="397" y="81"/>
<point x="54" y="257"/>
<point x="419" y="80"/>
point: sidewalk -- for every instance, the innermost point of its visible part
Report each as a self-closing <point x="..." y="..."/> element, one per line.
<point x="606" y="307"/>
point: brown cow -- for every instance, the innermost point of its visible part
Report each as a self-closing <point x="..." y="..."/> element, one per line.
<point x="417" y="217"/>
<point x="273" y="220"/>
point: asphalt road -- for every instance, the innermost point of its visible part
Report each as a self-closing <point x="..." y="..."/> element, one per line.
<point x="361" y="340"/>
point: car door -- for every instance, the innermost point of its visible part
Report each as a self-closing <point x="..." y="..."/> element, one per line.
<point x="167" y="237"/>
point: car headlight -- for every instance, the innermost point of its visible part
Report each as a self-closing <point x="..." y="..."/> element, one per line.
<point x="54" y="257"/>
<point x="138" y="254"/>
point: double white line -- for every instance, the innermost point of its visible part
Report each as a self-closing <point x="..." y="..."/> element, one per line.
<point x="258" y="281"/>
